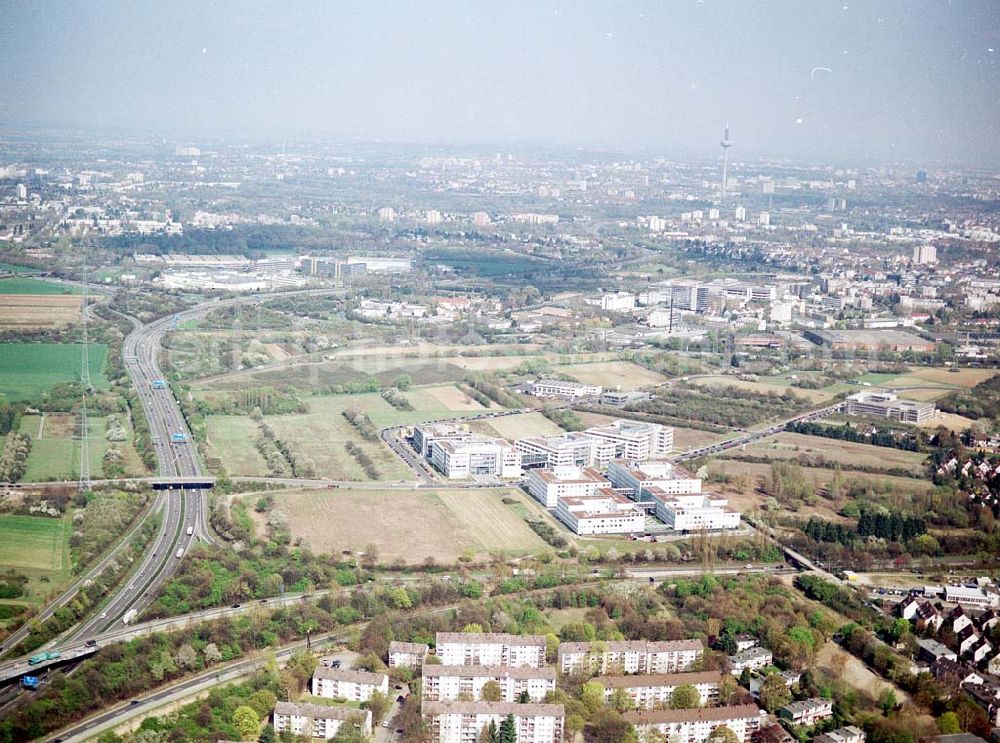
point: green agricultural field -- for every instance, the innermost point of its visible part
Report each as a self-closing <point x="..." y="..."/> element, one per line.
<point x="38" y="547"/>
<point x="35" y="286"/>
<point x="55" y="450"/>
<point x="231" y="438"/>
<point x="14" y="268"/>
<point x="28" y="370"/>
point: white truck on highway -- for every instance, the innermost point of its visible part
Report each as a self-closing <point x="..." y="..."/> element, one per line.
<point x="190" y="530"/>
<point x="180" y="554"/>
<point x="130" y="615"/>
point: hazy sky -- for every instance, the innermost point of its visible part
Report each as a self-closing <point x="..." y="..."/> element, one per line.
<point x="904" y="80"/>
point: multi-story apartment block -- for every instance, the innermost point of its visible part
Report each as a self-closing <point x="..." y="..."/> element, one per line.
<point x="572" y="449"/>
<point x="644" y="478"/>
<point x="635" y="440"/>
<point x="807" y="712"/>
<point x="547" y="485"/>
<point x="696" y="512"/>
<point x="463" y="722"/>
<point x="695" y="725"/>
<point x="604" y="512"/>
<point x="619" y="657"/>
<point x="476" y="456"/>
<point x="465" y="683"/>
<point x="407" y="654"/>
<point x="888" y="405"/>
<point x="657" y="690"/>
<point x="318" y="720"/>
<point x="345" y="683"/>
<point x="490" y="649"/>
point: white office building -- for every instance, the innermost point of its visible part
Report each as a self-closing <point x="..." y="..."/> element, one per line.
<point x="563" y="389"/>
<point x="888" y="405"/>
<point x="490" y="649"/>
<point x="696" y="512"/>
<point x="619" y="657"/>
<point x="463" y="722"/>
<point x="454" y="683"/>
<point x="635" y="440"/>
<point x="348" y="684"/>
<point x="547" y="486"/>
<point x="641" y="479"/>
<point x="569" y="449"/>
<point x="604" y="512"/>
<point x="426" y="434"/>
<point x="318" y="720"/>
<point x="476" y="456"/>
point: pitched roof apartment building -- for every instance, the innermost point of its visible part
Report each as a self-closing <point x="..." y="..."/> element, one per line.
<point x="695" y="725"/>
<point x="490" y="649"/>
<point x="346" y="683"/>
<point x="463" y="722"/>
<point x="407" y="654"/>
<point x="630" y="656"/>
<point x="317" y="720"/>
<point x="657" y="690"/>
<point x="452" y="683"/>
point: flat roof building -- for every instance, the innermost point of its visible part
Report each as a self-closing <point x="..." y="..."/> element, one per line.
<point x="642" y="478"/>
<point x="476" y="456"/>
<point x="547" y="485"/>
<point x="570" y="449"/>
<point x="695" y="512"/>
<point x="889" y="405"/>
<point x="636" y="440"/>
<point x="603" y="512"/>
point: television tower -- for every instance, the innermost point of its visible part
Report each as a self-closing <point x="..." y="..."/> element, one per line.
<point x="726" y="143"/>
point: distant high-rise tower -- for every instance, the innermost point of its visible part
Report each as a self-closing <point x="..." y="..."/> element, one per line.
<point x="726" y="143"/>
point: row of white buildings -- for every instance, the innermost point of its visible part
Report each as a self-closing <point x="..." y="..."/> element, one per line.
<point x="617" y="502"/>
<point x="459" y="453"/>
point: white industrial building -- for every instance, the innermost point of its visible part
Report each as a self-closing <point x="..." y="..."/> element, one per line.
<point x="547" y="486"/>
<point x="490" y="649"/>
<point x="476" y="456"/>
<point x="604" y="512"/>
<point x="452" y="683"/>
<point x="426" y="434"/>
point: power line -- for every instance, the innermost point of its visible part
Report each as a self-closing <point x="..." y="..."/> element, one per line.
<point x="84" y="484"/>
